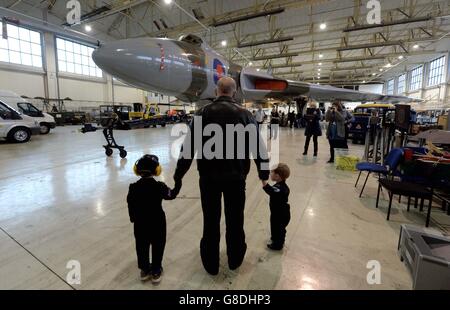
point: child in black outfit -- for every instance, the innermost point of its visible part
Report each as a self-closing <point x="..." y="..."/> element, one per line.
<point x="279" y="207"/>
<point x="145" y="210"/>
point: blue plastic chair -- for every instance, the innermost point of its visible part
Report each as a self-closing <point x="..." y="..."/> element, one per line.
<point x="390" y="165"/>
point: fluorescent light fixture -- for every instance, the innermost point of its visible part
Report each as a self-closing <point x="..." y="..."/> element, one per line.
<point x="224" y="43"/>
<point x="323" y="26"/>
<point x="258" y="69"/>
<point x="320" y="55"/>
<point x="400" y="57"/>
<point x="381" y="70"/>
<point x="88" y="28"/>
<point x="319" y="69"/>
<point x="320" y="63"/>
<point x="416" y="46"/>
<point x="250" y="63"/>
<point x="364" y="81"/>
<point x="388" y="65"/>
<point x="167" y="1"/>
<point x="374" y="74"/>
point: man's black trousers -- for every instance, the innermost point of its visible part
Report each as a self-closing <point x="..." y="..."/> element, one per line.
<point x="234" y="198"/>
<point x="151" y="233"/>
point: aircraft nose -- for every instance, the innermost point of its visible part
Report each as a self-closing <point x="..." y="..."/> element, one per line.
<point x="117" y="58"/>
<point x="148" y="63"/>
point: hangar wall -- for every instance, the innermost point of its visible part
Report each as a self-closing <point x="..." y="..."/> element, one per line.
<point x="22" y="82"/>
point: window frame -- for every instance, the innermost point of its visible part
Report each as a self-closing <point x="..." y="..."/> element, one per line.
<point x="404" y="84"/>
<point x="441" y="68"/>
<point x="389" y="90"/>
<point x="8" y="65"/>
<point x="418" y="82"/>
<point x="80" y="65"/>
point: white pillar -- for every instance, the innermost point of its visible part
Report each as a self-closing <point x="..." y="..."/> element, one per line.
<point x="51" y="76"/>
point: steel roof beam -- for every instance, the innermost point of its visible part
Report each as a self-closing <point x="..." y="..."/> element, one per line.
<point x="390" y="23"/>
<point x="270" y="41"/>
<point x="368" y="45"/>
<point x="247" y="17"/>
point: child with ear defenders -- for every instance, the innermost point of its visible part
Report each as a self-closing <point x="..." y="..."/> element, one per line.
<point x="145" y="210"/>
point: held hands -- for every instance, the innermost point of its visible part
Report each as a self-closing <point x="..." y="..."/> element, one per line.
<point x="177" y="188"/>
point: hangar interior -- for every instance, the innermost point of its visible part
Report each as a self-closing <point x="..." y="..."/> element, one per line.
<point x="63" y="200"/>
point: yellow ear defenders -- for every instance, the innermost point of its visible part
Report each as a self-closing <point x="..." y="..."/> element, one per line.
<point x="147" y="164"/>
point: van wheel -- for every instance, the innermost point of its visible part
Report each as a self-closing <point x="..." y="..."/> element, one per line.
<point x="19" y="135"/>
<point x="45" y="129"/>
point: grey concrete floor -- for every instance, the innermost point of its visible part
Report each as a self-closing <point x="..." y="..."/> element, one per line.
<point x="62" y="199"/>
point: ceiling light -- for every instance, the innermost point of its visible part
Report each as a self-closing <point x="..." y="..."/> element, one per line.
<point x="364" y="81"/>
<point x="224" y="43"/>
<point x="250" y="63"/>
<point x="388" y="65"/>
<point x="258" y="69"/>
<point x="320" y="63"/>
<point x="318" y="77"/>
<point x="374" y="74"/>
<point x="319" y="69"/>
<point x="400" y="57"/>
<point x="381" y="70"/>
<point x="323" y="26"/>
<point x="88" y="28"/>
<point x="167" y="1"/>
<point x="320" y="55"/>
<point x="416" y="46"/>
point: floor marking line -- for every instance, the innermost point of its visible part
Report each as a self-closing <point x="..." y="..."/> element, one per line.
<point x="35" y="257"/>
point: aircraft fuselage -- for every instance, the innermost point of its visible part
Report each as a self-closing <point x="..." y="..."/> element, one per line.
<point x="176" y="68"/>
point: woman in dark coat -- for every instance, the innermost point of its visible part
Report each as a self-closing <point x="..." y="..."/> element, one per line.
<point x="312" y="117"/>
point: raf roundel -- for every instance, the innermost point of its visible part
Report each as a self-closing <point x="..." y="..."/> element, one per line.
<point x="219" y="70"/>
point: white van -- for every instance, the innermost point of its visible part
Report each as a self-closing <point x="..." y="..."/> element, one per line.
<point x="46" y="121"/>
<point x="16" y="127"/>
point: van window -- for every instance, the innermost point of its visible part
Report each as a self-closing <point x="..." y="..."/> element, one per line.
<point x="28" y="109"/>
<point x="7" y="113"/>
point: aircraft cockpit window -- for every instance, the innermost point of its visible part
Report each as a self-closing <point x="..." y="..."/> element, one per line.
<point x="192" y="39"/>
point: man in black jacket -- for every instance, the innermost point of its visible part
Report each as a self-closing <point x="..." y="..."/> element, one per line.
<point x="223" y="174"/>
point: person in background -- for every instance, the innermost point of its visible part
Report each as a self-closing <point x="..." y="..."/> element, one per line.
<point x="291" y="118"/>
<point x="274" y="120"/>
<point x="298" y="120"/>
<point x="313" y="117"/>
<point x="337" y="117"/>
<point x="259" y="116"/>
<point x="280" y="214"/>
<point x="146" y="213"/>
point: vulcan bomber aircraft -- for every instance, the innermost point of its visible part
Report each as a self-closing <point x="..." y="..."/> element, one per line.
<point x="189" y="70"/>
